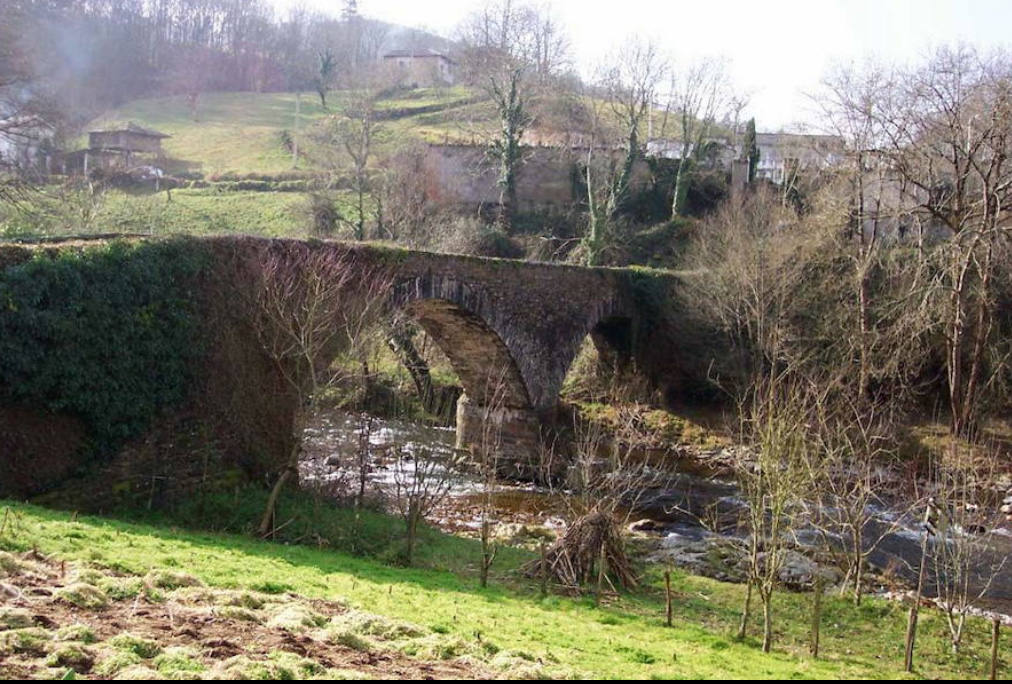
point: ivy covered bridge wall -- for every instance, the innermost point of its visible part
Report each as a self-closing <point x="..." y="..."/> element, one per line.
<point x="133" y="368"/>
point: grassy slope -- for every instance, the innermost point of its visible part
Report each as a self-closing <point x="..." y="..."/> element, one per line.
<point x="240" y="132"/>
<point x="625" y="639"/>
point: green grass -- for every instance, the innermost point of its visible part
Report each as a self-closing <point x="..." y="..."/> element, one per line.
<point x="237" y="132"/>
<point x="625" y="639"/>
<point x="190" y="212"/>
<point x="205" y="212"/>
<point x="240" y="132"/>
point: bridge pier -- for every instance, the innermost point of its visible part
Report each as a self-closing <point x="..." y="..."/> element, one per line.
<point x="517" y="432"/>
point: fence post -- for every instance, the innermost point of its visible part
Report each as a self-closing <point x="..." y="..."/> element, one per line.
<point x="995" y="637"/>
<point x="667" y="597"/>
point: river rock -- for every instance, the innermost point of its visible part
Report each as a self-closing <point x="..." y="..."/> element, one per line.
<point x="519" y="534"/>
<point x="722" y="559"/>
<point x="798" y="572"/>
<point x="726" y="560"/>
<point x="647" y="525"/>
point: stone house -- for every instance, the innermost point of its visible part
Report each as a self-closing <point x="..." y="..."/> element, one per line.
<point x="116" y="148"/>
<point x="420" y="68"/>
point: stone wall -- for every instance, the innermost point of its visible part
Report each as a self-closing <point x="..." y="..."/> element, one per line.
<point x="546" y="179"/>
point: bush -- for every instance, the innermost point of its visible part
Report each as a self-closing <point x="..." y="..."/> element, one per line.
<point x="106" y="334"/>
<point x="465" y="235"/>
<point x="323" y="213"/>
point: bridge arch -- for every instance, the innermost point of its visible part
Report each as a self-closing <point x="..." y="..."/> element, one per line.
<point x="518" y="334"/>
<point x="477" y="353"/>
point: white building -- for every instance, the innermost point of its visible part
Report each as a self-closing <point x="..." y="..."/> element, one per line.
<point x="782" y="154"/>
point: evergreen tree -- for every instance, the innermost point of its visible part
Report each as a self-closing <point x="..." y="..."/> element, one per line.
<point x="751" y="150"/>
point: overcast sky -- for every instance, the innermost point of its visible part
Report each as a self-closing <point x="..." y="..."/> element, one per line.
<point x="778" y="49"/>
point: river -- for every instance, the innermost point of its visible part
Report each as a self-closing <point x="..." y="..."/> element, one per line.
<point x="669" y="520"/>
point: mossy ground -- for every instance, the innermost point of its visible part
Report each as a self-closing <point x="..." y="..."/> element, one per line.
<point x="623" y="638"/>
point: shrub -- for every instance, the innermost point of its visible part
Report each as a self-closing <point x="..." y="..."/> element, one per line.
<point x="378" y="626"/>
<point x="296" y="618"/>
<point x="349" y="639"/>
<point x="32" y="641"/>
<point x="176" y="661"/>
<point x="107" y="334"/>
<point x="464" y="235"/>
<point x="80" y="633"/>
<point x="116" y="662"/>
<point x="172" y="579"/>
<point x="14" y="618"/>
<point x="323" y="213"/>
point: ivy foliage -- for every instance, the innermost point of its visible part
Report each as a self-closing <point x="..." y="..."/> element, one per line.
<point x="108" y="334"/>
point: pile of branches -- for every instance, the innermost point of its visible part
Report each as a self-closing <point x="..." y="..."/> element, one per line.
<point x="572" y="559"/>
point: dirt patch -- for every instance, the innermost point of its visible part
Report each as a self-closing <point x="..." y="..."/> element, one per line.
<point x="51" y="624"/>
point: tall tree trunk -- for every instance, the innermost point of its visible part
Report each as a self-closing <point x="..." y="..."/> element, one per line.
<point x="402" y="345"/>
<point x="291" y="469"/>
<point x="746" y="612"/>
<point x="681" y="187"/>
<point x="767" y="621"/>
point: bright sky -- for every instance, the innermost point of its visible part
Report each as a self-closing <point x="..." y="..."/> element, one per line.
<point x="779" y="49"/>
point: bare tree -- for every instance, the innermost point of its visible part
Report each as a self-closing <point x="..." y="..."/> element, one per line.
<point x="771" y="476"/>
<point x="505" y="44"/>
<point x="489" y="458"/>
<point x="946" y="135"/>
<point x="700" y="93"/>
<point x="310" y="302"/>
<point x="847" y="475"/>
<point x="629" y="85"/>
<point x="965" y="559"/>
<point x="191" y="75"/>
<point x="348" y="140"/>
<point x="325" y="73"/>
<point x="403" y="207"/>
<point x="747" y="275"/>
<point x="421" y="484"/>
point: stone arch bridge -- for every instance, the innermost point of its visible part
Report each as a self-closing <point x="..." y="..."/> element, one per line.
<point x="512" y="329"/>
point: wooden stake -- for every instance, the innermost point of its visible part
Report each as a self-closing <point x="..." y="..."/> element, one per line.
<point x="667" y="597"/>
<point x="816" y="615"/>
<point x="995" y="636"/>
<point x="908" y="661"/>
<point x="544" y="570"/>
<point x="600" y="575"/>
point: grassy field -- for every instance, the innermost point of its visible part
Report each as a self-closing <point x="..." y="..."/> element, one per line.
<point x="624" y="638"/>
<point x="241" y="132"/>
<point x="205" y="212"/>
<point x="190" y="212"/>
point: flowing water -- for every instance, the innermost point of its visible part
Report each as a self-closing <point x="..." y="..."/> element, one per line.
<point x="695" y="503"/>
